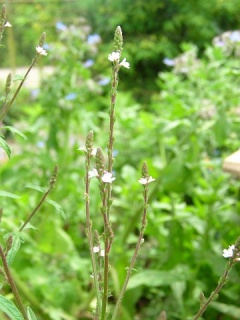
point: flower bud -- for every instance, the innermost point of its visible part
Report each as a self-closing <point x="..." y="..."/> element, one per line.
<point x="145" y="170"/>
<point x="118" y="40"/>
<point x="89" y="141"/>
<point x="100" y="163"/>
<point x="42" y="39"/>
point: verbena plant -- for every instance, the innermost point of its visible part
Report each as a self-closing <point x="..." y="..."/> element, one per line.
<point x="100" y="241"/>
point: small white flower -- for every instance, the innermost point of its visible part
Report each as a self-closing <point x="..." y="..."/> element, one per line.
<point x="114" y="56"/>
<point x="96" y="249"/>
<point x="228" y="253"/>
<point x="93" y="173"/>
<point x="7" y="24"/>
<point x="102" y="253"/>
<point x="93" y="152"/>
<point x="41" y="51"/>
<point x="146" y="180"/>
<point x="107" y="177"/>
<point x="125" y="64"/>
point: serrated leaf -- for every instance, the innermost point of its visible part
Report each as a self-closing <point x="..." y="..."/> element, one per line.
<point x="4" y="146"/>
<point x="16" y="243"/>
<point x="8" y="194"/>
<point x="8" y="307"/>
<point x="30" y="314"/>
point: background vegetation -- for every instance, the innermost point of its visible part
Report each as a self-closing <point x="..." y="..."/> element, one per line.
<point x="182" y="119"/>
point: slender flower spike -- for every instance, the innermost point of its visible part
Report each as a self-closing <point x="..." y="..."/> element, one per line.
<point x="125" y="64"/>
<point x="107" y="177"/>
<point x="93" y="173"/>
<point x="229" y="253"/>
<point x="41" y="51"/>
<point x="114" y="56"/>
<point x="146" y="180"/>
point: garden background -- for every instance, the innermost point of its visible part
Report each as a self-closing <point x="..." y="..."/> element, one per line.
<point x="178" y="108"/>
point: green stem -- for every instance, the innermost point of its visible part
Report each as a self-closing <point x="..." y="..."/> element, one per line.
<point x="52" y="183"/>
<point x="90" y="238"/>
<point x="12" y="284"/>
<point x="7" y="106"/>
<point x="135" y="254"/>
<point x="221" y="283"/>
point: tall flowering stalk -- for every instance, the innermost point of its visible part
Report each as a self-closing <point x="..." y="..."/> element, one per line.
<point x="103" y="172"/>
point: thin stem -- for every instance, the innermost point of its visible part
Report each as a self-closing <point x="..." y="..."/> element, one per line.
<point x="90" y="237"/>
<point x="221" y="283"/>
<point x="107" y="195"/>
<point x="135" y="254"/>
<point x="52" y="183"/>
<point x="7" y="106"/>
<point x="12" y="284"/>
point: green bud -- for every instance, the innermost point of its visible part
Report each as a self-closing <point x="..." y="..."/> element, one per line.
<point x="100" y="162"/>
<point x="145" y="170"/>
<point x="42" y="39"/>
<point x="118" y="40"/>
<point x="53" y="179"/>
<point x="3" y="12"/>
<point x="89" y="140"/>
<point x="237" y="244"/>
<point x="8" y="84"/>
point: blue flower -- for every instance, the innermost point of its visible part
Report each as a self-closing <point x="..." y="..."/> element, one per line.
<point x="93" y="39"/>
<point x="60" y="26"/>
<point x="71" y="96"/>
<point x="88" y="63"/>
<point x="168" y="62"/>
<point x="104" y="81"/>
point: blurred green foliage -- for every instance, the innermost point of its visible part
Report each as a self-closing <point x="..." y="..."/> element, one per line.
<point x="190" y="124"/>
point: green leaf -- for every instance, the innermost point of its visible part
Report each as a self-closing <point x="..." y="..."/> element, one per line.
<point x="15" y="131"/>
<point x="4" y="146"/>
<point x="30" y="314"/>
<point x="58" y="208"/>
<point x="8" y="194"/>
<point x="18" y="77"/>
<point x="8" y="307"/>
<point x="155" y="278"/>
<point x="14" y="248"/>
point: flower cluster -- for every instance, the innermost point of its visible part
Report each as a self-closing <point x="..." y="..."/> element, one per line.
<point x="146" y="180"/>
<point x="41" y="51"/>
<point x="115" y="56"/>
<point x="107" y="176"/>
<point x="231" y="252"/>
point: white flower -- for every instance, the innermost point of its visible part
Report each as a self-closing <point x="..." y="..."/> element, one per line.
<point x="93" y="152"/>
<point x="107" y="177"/>
<point x="228" y="253"/>
<point x="7" y="24"/>
<point x="125" y="64"/>
<point x="96" y="249"/>
<point x="114" y="56"/>
<point x="146" y="180"/>
<point x="102" y="253"/>
<point x="93" y="173"/>
<point x="41" y="51"/>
